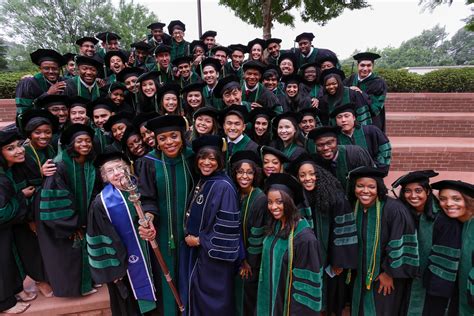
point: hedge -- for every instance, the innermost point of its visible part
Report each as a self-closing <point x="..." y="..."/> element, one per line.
<point x="445" y="80"/>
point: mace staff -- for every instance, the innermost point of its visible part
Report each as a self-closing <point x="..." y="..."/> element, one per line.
<point x="129" y="185"/>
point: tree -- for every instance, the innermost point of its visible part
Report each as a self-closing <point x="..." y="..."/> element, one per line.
<point x="3" y="53"/>
<point x="461" y="47"/>
<point x="433" y="4"/>
<point x="262" y="13"/>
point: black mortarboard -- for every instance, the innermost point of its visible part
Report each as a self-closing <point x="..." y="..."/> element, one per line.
<point x="166" y="123"/>
<point x="78" y="101"/>
<point x="239" y="110"/>
<point x="333" y="59"/>
<point x="271" y="70"/>
<point x="33" y="118"/>
<point x="176" y="24"/>
<point x="141" y="45"/>
<point x="304" y="35"/>
<point x="198" y="43"/>
<point x="221" y="48"/>
<point x="47" y="100"/>
<point x="331" y="71"/>
<point x="272" y="40"/>
<point x="69" y="56"/>
<point x="148" y="75"/>
<point x="107" y="36"/>
<point x="206" y="110"/>
<point x="117" y="85"/>
<point x="117" y="53"/>
<point x="293" y="78"/>
<point x="120" y="117"/>
<point x="286" y="183"/>
<point x="110" y="154"/>
<point x="288" y="55"/>
<point x="162" y="48"/>
<point x="314" y="112"/>
<point x="292" y="116"/>
<point x="211" y="62"/>
<point x="244" y="155"/>
<point x="208" y="141"/>
<point x="260" y="112"/>
<point x="129" y="72"/>
<point x="101" y="103"/>
<point x="74" y="130"/>
<point x="256" y="41"/>
<point x="226" y="83"/>
<point x="196" y="86"/>
<point x="9" y="135"/>
<point x="366" y="56"/>
<point x="253" y="64"/>
<point x="40" y="55"/>
<point x="296" y="163"/>
<point x="208" y="34"/>
<point x="366" y="172"/>
<point x="324" y="131"/>
<point x="142" y="118"/>
<point x="173" y="88"/>
<point x="420" y="176"/>
<point x="91" y="61"/>
<point x="182" y="60"/>
<point x="463" y="187"/>
<point x="156" y="25"/>
<point x="307" y="65"/>
<point x="239" y="47"/>
<point x="348" y="107"/>
<point x="84" y="39"/>
<point x="273" y="151"/>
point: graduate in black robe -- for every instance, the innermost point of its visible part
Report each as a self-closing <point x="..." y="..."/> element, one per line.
<point x="253" y="215"/>
<point x="61" y="214"/>
<point x="99" y="112"/>
<point x="291" y="273"/>
<point x="85" y="84"/>
<point x="288" y="139"/>
<point x="128" y="77"/>
<point x="388" y="247"/>
<point x="252" y="90"/>
<point x="210" y="250"/>
<point x="119" y="254"/>
<point x="306" y="53"/>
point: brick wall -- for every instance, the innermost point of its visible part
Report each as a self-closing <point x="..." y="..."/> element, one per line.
<point x="430" y="102"/>
<point x="431" y="128"/>
<point x="440" y="161"/>
<point x="7" y="110"/>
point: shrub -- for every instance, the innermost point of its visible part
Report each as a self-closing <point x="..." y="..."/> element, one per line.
<point x="401" y="80"/>
<point x="449" y="80"/>
<point x="8" y="82"/>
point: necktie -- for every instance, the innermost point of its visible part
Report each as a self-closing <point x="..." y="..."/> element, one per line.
<point x="230" y="146"/>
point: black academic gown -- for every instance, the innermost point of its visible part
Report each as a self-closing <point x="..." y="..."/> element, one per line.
<point x="75" y="88"/>
<point x="260" y="95"/>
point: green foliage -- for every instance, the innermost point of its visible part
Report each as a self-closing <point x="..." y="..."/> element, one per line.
<point x="449" y="80"/>
<point x="401" y="80"/>
<point x="3" y="53"/>
<point x="8" y="82"/>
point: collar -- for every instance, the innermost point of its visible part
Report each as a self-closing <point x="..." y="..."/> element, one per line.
<point x="237" y="140"/>
<point x="335" y="157"/>
<point x="248" y="89"/>
<point x="86" y="85"/>
<point x="310" y="52"/>
<point x="360" y="80"/>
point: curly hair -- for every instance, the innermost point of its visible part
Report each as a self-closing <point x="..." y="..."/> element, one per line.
<point x="292" y="216"/>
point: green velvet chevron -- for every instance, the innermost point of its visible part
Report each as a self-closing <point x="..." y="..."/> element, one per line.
<point x="307" y="287"/>
<point x="444" y="262"/>
<point x="404" y="251"/>
<point x="100" y="254"/>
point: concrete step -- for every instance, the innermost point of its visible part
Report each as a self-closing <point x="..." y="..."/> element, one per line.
<point x="423" y="124"/>
<point x="429" y="102"/>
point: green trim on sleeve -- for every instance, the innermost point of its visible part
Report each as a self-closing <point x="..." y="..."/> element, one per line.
<point x="99" y="239"/>
<point x="51" y="216"/>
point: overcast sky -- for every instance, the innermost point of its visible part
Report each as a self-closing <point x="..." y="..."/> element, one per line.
<point x="386" y="23"/>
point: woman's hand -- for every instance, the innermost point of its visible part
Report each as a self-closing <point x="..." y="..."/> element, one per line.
<point x="191" y="241"/>
<point x="386" y="283"/>
<point x="355" y="88"/>
<point x="147" y="233"/>
<point x="28" y="191"/>
<point x="314" y="102"/>
<point x="245" y="270"/>
<point x="49" y="168"/>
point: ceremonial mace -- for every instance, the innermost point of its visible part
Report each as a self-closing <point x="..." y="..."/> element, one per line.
<point x="129" y="183"/>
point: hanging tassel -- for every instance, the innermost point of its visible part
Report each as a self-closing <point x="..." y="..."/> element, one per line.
<point x="171" y="242"/>
<point x="349" y="276"/>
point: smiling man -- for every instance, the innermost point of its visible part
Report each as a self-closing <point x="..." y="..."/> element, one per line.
<point x="252" y="90"/>
<point x="84" y="84"/>
<point x="87" y="45"/>
<point x="210" y="68"/>
<point x="306" y="52"/>
<point x="186" y="74"/>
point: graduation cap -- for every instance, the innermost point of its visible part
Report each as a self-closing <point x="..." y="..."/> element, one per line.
<point x="156" y="26"/>
<point x="172" y="88"/>
<point x="292" y="116"/>
<point x="162" y="48"/>
<point x="129" y="72"/>
<point x="108" y="36"/>
<point x="176" y="24"/>
<point x="260" y="112"/>
<point x="113" y="53"/>
<point x="47" y="100"/>
<point x="348" y="107"/>
<point x="235" y="109"/>
<point x="314" y="112"/>
<point x="9" y="135"/>
<point x="259" y="41"/>
<point x="222" y="49"/>
<point x="293" y="78"/>
<point x="264" y="150"/>
<point x="457" y="185"/>
<point x="253" y="64"/>
<point x="238" y="47"/>
<point x="117" y="85"/>
<point x="33" y="118"/>
<point x="215" y="63"/>
<point x="208" y="141"/>
<point x="331" y="71"/>
<point x="288" y="55"/>
<point x="74" y="130"/>
<point x="142" y="118"/>
<point x="286" y="183"/>
<point x="101" y="103"/>
<point x="366" y="172"/>
<point x="196" y="43"/>
<point x="78" y="101"/>
<point x="245" y="155"/>
<point x="305" y="35"/>
<point x="84" y="39"/>
<point x="41" y="55"/>
<point x="208" y="34"/>
<point x="420" y="176"/>
<point x="140" y="45"/>
<point x="153" y="75"/>
<point x="271" y="70"/>
<point x="166" y="123"/>
<point x="121" y="117"/>
<point x="307" y="65"/>
<point x="226" y="83"/>
<point x="69" y="56"/>
<point x="366" y="56"/>
<point x="272" y="40"/>
<point x="296" y="163"/>
<point x="324" y="131"/>
<point x="182" y="60"/>
<point x="331" y="58"/>
<point x="206" y="110"/>
<point x="91" y="61"/>
<point x="110" y="154"/>
<point x="196" y="86"/>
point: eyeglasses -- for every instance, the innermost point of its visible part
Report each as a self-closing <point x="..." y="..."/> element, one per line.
<point x="249" y="173"/>
<point x="112" y="170"/>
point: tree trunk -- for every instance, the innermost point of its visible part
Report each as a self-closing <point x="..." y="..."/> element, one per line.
<point x="267" y="19"/>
